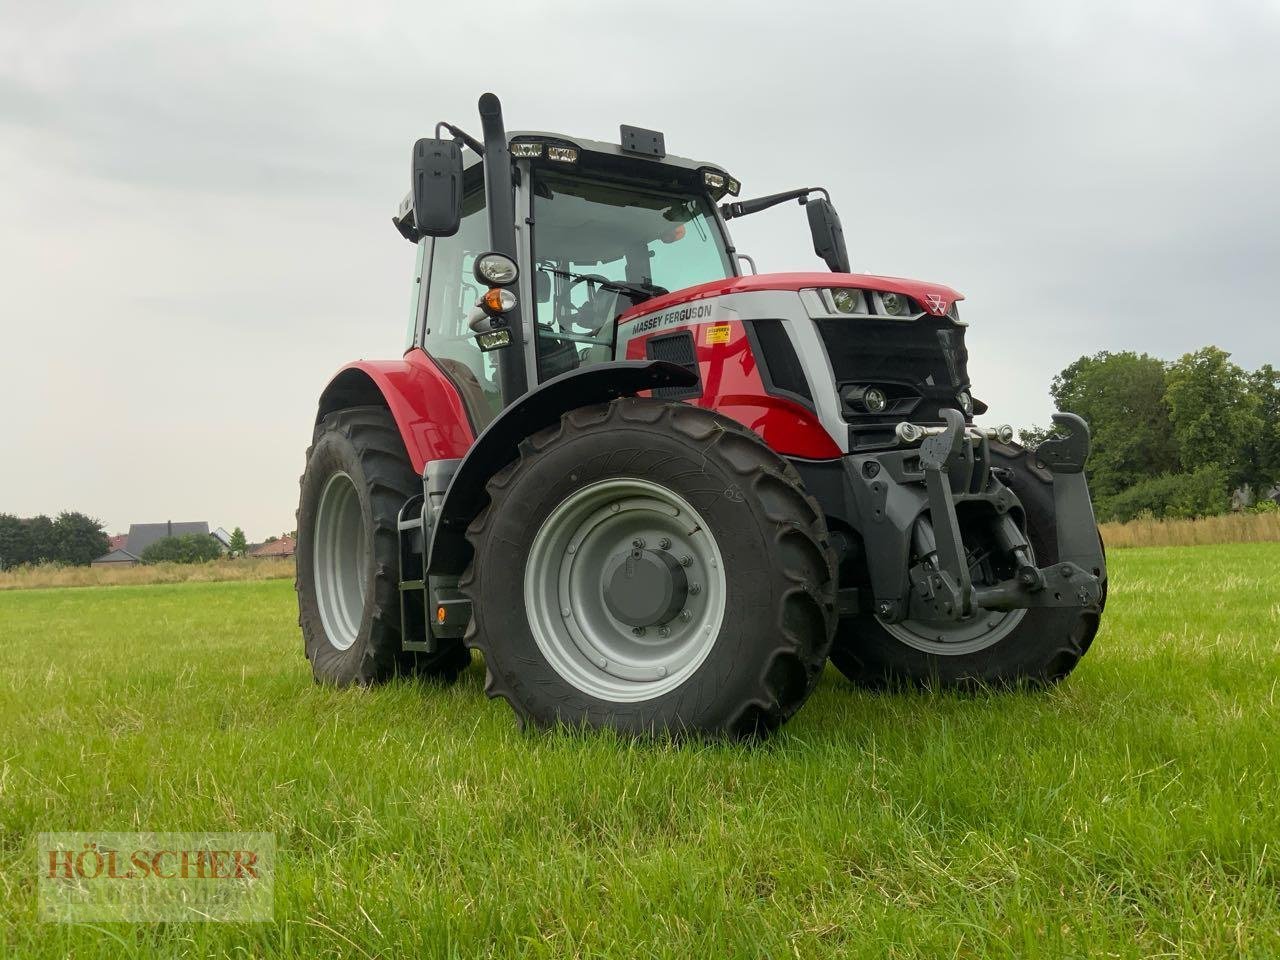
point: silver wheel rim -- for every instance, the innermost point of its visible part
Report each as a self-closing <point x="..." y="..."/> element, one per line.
<point x="339" y="561"/>
<point x="982" y="629"/>
<point x="565" y="580"/>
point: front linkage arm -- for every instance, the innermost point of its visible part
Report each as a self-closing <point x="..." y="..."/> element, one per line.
<point x="941" y="587"/>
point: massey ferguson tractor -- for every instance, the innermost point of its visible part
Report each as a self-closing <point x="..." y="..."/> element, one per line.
<point x="657" y="492"/>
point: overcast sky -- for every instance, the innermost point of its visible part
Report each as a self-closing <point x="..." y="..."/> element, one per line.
<point x="195" y="203"/>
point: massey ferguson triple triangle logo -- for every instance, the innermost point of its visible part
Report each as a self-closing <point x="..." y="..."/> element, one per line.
<point x="936" y="303"/>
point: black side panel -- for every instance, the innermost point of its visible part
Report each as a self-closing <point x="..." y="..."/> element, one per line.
<point x="780" y="368"/>
<point x="675" y="348"/>
<point x="499" y="444"/>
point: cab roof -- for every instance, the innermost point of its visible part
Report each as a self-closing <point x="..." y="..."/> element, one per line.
<point x="606" y="158"/>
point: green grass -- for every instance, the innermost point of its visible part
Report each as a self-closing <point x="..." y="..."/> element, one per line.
<point x="1132" y="811"/>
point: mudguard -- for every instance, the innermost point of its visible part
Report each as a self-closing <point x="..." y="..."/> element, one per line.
<point x="499" y="444"/>
<point x="423" y="401"/>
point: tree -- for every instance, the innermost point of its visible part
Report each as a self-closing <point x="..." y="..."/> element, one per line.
<point x="15" y="542"/>
<point x="78" y="539"/>
<point x="238" y="543"/>
<point x="1262" y="454"/>
<point x="188" y="548"/>
<point x="1213" y="412"/>
<point x="1122" y="398"/>
<point x="43" y="541"/>
<point x="1201" y="493"/>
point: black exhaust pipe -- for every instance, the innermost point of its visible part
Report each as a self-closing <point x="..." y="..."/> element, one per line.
<point x="501" y="203"/>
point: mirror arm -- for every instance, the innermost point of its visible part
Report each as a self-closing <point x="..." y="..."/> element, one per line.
<point x="743" y="208"/>
<point x="475" y="145"/>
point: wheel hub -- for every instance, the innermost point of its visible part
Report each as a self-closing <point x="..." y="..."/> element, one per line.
<point x="645" y="587"/>
<point x="625" y="589"/>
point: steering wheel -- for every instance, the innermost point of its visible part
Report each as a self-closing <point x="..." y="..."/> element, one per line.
<point x="593" y="278"/>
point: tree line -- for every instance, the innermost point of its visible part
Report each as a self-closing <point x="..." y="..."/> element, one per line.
<point x="73" y="538"/>
<point x="1172" y="439"/>
<point x="76" y="539"/>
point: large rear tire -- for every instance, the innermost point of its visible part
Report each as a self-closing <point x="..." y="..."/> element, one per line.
<point x="1038" y="646"/>
<point x="357" y="478"/>
<point x="651" y="567"/>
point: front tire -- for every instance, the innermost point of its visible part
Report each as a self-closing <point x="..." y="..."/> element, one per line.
<point x="650" y="567"/>
<point x="357" y="478"/>
<point x="1036" y="647"/>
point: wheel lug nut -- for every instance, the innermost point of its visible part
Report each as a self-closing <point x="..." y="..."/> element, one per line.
<point x="686" y="560"/>
<point x="686" y="616"/>
<point x="638" y="631"/>
<point x="665" y="543"/>
<point x="638" y="543"/>
<point x="664" y="631"/>
<point x="695" y="589"/>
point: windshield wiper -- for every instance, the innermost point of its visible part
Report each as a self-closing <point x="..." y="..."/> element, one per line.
<point x="638" y="292"/>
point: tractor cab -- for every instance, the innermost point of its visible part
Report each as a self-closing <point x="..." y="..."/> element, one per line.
<point x="597" y="229"/>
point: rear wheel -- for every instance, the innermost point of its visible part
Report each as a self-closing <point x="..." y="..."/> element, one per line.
<point x="1035" y="646"/>
<point x="651" y="567"/>
<point x="357" y="478"/>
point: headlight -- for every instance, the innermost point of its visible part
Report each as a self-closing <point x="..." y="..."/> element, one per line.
<point x="966" y="402"/>
<point x="870" y="399"/>
<point x="847" y="301"/>
<point x="493" y="339"/>
<point x="895" y="304"/>
<point x="496" y="268"/>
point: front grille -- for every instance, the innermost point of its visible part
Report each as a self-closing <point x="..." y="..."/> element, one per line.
<point x="919" y="364"/>
<point x="926" y="351"/>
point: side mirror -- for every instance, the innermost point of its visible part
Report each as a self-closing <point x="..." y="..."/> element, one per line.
<point x="828" y="236"/>
<point x="436" y="178"/>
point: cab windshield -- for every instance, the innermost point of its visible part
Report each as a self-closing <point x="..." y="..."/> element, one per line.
<point x="591" y="234"/>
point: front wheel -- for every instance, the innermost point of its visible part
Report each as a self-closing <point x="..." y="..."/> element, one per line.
<point x="651" y="567"/>
<point x="1036" y="646"/>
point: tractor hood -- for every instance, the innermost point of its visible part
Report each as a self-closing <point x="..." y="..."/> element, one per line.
<point x="934" y="298"/>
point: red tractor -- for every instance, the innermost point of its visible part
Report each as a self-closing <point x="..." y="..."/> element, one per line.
<point x="657" y="492"/>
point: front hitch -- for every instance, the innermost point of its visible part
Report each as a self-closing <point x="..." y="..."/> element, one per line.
<point x="941" y="587"/>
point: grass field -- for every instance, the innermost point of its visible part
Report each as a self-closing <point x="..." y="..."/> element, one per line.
<point x="1132" y="811"/>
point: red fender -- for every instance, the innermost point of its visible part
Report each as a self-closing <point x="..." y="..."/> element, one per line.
<point x="424" y="402"/>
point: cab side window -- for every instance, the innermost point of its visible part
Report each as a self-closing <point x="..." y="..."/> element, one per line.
<point x="452" y="293"/>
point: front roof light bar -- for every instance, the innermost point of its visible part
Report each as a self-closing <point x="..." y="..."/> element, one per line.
<point x="537" y="149"/>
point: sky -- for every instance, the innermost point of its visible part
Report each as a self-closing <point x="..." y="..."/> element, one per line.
<point x="195" y="199"/>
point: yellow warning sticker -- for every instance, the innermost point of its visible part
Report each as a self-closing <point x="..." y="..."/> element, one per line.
<point x="717" y="333"/>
